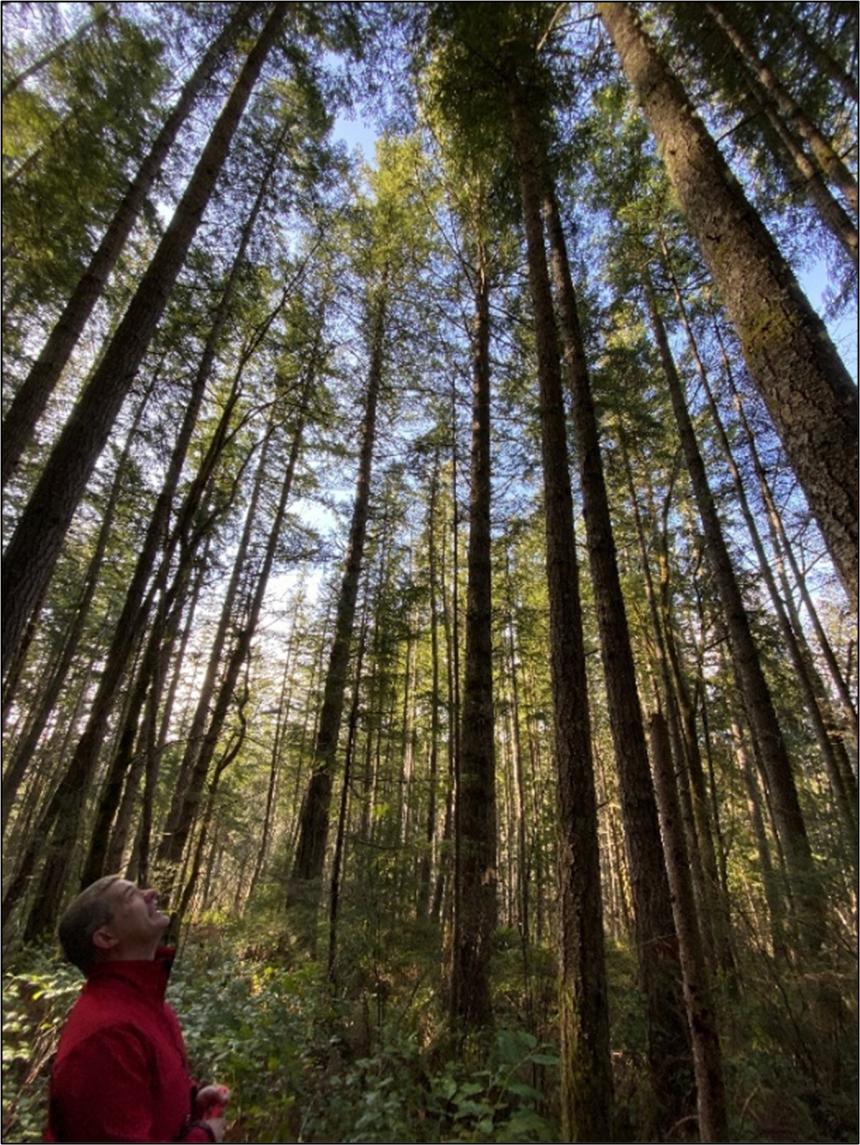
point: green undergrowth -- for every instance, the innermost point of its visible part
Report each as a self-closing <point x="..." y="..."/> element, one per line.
<point x="372" y="1059"/>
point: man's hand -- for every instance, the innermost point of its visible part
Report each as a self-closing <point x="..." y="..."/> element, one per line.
<point x="210" y="1102"/>
<point x="209" y="1108"/>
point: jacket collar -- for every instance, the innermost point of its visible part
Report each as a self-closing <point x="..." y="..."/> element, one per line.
<point x="149" y="975"/>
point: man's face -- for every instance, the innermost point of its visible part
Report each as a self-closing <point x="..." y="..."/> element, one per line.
<point x="137" y="925"/>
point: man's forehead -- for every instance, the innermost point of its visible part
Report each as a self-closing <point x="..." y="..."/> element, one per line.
<point x="119" y="888"/>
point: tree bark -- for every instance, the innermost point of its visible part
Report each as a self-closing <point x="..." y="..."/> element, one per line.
<point x="707" y="1055"/>
<point x="476" y="873"/>
<point x="805" y="385"/>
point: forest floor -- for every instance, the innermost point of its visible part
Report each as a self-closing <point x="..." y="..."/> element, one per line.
<point x="373" y="1061"/>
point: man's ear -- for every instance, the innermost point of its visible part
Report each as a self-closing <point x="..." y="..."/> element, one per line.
<point x="103" y="939"/>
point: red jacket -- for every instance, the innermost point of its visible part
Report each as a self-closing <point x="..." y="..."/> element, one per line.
<point x="120" y="1073"/>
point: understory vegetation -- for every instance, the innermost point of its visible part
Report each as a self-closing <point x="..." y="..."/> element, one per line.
<point x="376" y="1060"/>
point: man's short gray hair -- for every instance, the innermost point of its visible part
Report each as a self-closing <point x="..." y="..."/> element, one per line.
<point x="81" y="919"/>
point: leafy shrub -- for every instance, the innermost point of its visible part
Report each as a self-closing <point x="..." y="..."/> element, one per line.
<point x="391" y="1095"/>
<point x="36" y="998"/>
<point x="247" y="1025"/>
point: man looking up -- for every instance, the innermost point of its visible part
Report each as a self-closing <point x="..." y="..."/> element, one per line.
<point x="120" y="1073"/>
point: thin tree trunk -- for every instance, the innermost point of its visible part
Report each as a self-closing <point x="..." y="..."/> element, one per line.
<point x="426" y="865"/>
<point x="789" y="818"/>
<point x="186" y="795"/>
<point x="26" y="747"/>
<point x="34" y="547"/>
<point x="523" y="865"/>
<point x="773" y="93"/>
<point x="845" y="798"/>
<point x="772" y="893"/>
<point x="282" y="718"/>
<point x="586" y="1071"/>
<point x="62" y="815"/>
<point x="186" y="805"/>
<point x="676" y="690"/>
<point x="659" y="969"/>
<point x="783" y="545"/>
<point x="206" y="822"/>
<point x="306" y="876"/>
<point x="808" y="391"/>
<point x="340" y="837"/>
<point x="100" y="17"/>
<point x="476" y="872"/>
<point x="707" y="1055"/>
<point x="799" y="169"/>
<point x="822" y="58"/>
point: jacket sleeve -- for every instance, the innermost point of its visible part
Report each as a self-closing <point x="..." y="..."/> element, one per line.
<point x="104" y="1090"/>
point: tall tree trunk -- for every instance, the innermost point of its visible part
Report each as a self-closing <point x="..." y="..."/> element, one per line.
<point x="476" y="873"/>
<point x="676" y="689"/>
<point x="32" y="396"/>
<point x="426" y="865"/>
<point x="773" y="92"/>
<point x="36" y="543"/>
<point x="659" y="969"/>
<point x="523" y="862"/>
<point x="187" y="802"/>
<point x="808" y="391"/>
<point x="62" y="814"/>
<point x="789" y="818"/>
<point x="844" y="796"/>
<point x="306" y="877"/>
<point x="187" y="791"/>
<point x="821" y="57"/>
<point x="783" y="545"/>
<point x="281" y="720"/>
<point x="221" y="766"/>
<point x="451" y="627"/>
<point x="584" y="1018"/>
<point x="100" y="17"/>
<point x="798" y="168"/>
<point x="25" y="748"/>
<point x="340" y="835"/>
<point x="707" y="1055"/>
<point x="772" y="893"/>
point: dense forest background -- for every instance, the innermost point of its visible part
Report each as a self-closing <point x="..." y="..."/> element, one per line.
<point x="436" y="571"/>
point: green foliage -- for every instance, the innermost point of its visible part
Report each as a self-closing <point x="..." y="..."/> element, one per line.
<point x="37" y="994"/>
<point x="305" y="1064"/>
<point x="69" y="143"/>
<point x="399" y="1094"/>
<point x="247" y="1025"/>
